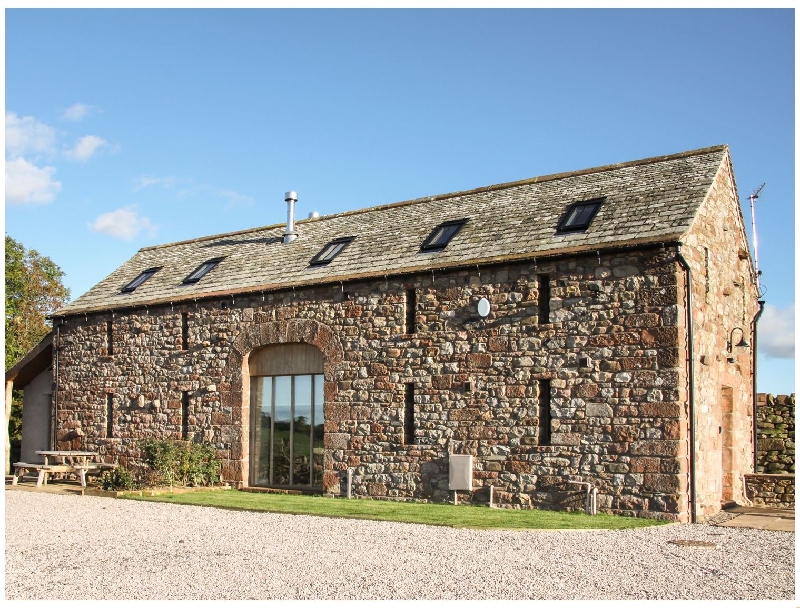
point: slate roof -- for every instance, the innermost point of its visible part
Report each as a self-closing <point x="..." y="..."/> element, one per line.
<point x="646" y="201"/>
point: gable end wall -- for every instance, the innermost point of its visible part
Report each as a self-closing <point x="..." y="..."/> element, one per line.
<point x="724" y="297"/>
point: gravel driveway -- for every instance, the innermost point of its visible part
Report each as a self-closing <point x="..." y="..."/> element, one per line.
<point x="101" y="548"/>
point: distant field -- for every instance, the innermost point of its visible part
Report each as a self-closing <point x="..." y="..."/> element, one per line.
<point x="420" y="513"/>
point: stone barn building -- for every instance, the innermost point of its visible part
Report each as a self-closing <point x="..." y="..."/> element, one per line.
<point x="613" y="345"/>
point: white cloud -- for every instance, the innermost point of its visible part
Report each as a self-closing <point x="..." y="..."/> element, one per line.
<point x="123" y="223"/>
<point x="27" y="183"/>
<point x="166" y="182"/>
<point x="26" y="135"/>
<point x="187" y="187"/>
<point x="86" y="147"/>
<point x="28" y="142"/>
<point x="76" y="112"/>
<point x="234" y="198"/>
<point x="776" y="332"/>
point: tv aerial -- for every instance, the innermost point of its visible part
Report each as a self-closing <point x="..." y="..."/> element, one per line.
<point x="753" y="198"/>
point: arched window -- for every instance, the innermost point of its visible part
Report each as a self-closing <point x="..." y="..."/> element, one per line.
<point x="287" y="416"/>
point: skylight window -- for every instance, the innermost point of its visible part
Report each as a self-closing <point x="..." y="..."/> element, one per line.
<point x="442" y="235"/>
<point x="579" y="215"/>
<point x="143" y="276"/>
<point x="202" y="270"/>
<point x="330" y="251"/>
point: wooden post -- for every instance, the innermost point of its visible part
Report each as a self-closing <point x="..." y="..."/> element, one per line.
<point x="9" y="397"/>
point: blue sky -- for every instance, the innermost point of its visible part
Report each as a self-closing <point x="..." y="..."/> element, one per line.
<point x="129" y="128"/>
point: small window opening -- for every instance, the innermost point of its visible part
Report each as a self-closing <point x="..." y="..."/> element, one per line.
<point x="109" y="415"/>
<point x="184" y="414"/>
<point x="202" y="270"/>
<point x="411" y="311"/>
<point x="110" y="337"/>
<point x="408" y="415"/>
<point x="579" y="215"/>
<point x="330" y="251"/>
<point x="543" y="282"/>
<point x="442" y="235"/>
<point x="185" y="330"/>
<point x="544" y="412"/>
<point x="143" y="276"/>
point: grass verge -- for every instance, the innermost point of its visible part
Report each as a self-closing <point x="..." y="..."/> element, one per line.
<point x="419" y="513"/>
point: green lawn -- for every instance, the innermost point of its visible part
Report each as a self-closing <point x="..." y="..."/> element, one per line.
<point x="421" y="513"/>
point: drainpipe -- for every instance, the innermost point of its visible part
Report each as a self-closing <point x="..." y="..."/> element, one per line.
<point x="755" y="394"/>
<point x="690" y="344"/>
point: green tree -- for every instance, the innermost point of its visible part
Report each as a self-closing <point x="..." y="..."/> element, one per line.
<point x="33" y="290"/>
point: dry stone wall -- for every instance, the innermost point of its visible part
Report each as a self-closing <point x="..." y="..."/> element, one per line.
<point x="775" y="434"/>
<point x="609" y="354"/>
<point x="771" y="490"/>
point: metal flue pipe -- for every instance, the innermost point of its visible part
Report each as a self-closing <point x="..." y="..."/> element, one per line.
<point x="289" y="233"/>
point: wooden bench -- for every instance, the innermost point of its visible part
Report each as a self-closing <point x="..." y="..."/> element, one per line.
<point x="91" y="468"/>
<point x="43" y="470"/>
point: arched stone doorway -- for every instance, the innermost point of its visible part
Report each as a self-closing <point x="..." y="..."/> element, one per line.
<point x="252" y="340"/>
<point x="287" y="416"/>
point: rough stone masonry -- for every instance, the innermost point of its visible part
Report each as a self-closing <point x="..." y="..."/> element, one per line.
<point x="609" y="355"/>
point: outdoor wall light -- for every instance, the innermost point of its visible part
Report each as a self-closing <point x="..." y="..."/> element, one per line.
<point x="741" y="343"/>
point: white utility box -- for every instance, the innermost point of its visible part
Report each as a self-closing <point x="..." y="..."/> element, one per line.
<point x="460" y="472"/>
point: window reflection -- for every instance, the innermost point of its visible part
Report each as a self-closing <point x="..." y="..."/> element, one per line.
<point x="281" y="431"/>
<point x="317" y="446"/>
<point x="261" y="393"/>
<point x="301" y="437"/>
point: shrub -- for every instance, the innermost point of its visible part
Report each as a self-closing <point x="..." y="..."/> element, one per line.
<point x="181" y="463"/>
<point x="118" y="479"/>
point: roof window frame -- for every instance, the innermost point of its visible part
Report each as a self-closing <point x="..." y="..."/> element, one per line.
<point x="202" y="270"/>
<point x="142" y="277"/>
<point x="568" y="221"/>
<point x="439" y="239"/>
<point x="331" y="251"/>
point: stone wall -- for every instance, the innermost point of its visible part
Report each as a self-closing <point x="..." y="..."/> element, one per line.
<point x="771" y="490"/>
<point x="775" y="433"/>
<point x="610" y="353"/>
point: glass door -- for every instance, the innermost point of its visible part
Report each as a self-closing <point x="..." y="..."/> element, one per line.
<point x="287" y="430"/>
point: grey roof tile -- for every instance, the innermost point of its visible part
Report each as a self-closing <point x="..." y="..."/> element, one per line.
<point x="653" y="199"/>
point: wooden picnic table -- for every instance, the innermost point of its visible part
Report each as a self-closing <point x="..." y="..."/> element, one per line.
<point x="74" y="462"/>
<point x="67" y="456"/>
